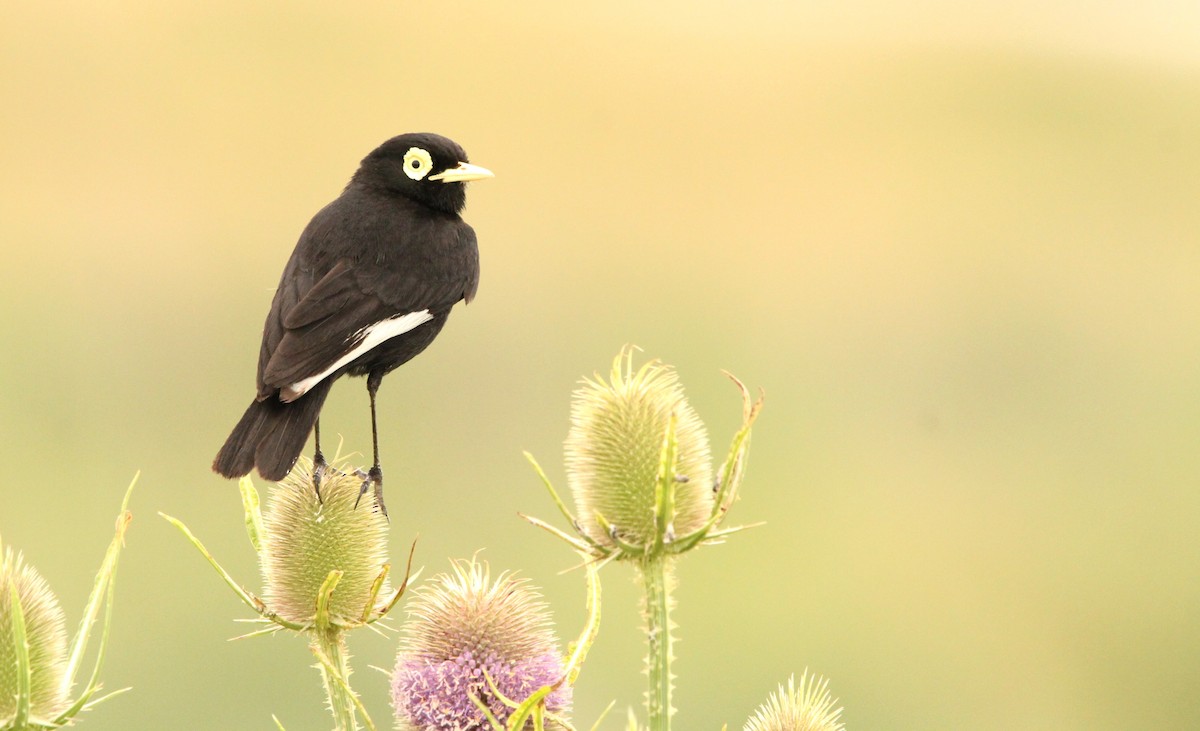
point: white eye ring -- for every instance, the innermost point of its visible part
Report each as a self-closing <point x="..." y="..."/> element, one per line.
<point x="417" y="163"/>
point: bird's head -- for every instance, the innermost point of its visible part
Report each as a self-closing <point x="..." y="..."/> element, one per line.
<point x="425" y="167"/>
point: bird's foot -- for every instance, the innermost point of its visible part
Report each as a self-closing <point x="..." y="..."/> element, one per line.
<point x="374" y="478"/>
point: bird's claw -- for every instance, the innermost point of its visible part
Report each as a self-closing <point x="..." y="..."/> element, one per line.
<point x="373" y="478"/>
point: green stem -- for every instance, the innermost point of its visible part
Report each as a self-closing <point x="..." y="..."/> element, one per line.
<point x="330" y="645"/>
<point x="658" y="580"/>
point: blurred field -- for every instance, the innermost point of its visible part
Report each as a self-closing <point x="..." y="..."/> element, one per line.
<point x="960" y="249"/>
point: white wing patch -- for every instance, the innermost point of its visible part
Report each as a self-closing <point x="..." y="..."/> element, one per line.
<point x="372" y="335"/>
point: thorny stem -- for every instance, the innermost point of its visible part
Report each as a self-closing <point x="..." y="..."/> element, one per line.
<point x="329" y="644"/>
<point x="657" y="581"/>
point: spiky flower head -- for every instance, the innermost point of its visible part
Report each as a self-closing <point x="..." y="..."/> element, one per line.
<point x="306" y="536"/>
<point x="45" y="638"/>
<point x="464" y="628"/>
<point x="614" y="450"/>
<point x="808" y="707"/>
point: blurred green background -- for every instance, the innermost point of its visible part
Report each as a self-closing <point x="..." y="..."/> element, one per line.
<point x="957" y="244"/>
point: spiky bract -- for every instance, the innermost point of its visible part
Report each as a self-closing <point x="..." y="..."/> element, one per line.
<point x="614" y="449"/>
<point x="809" y="707"/>
<point x="305" y="538"/>
<point x="45" y="637"/>
<point x="461" y="626"/>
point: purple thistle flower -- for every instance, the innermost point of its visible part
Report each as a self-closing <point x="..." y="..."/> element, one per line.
<point x="461" y="626"/>
<point x="436" y="694"/>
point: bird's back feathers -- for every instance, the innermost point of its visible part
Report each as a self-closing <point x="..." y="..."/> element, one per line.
<point x="369" y="285"/>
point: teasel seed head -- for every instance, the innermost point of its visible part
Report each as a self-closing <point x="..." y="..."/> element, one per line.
<point x="23" y="590"/>
<point x="809" y="707"/>
<point x="614" y="450"/>
<point x="305" y="537"/>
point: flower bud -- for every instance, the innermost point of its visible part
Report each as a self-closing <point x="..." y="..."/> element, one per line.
<point x="614" y="450"/>
<point x="45" y="637"/>
<point x="464" y="628"/>
<point x="305" y="537"/>
<point x="805" y="708"/>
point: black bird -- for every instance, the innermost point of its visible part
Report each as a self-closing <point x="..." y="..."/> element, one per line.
<point x="369" y="285"/>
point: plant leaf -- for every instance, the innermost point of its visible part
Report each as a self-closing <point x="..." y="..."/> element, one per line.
<point x="664" y="484"/>
<point x="249" y="599"/>
<point x="323" y="620"/>
<point x="21" y="649"/>
<point x="108" y="570"/>
<point x="253" y="508"/>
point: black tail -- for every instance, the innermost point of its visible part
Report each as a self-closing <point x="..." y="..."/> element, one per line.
<point x="271" y="435"/>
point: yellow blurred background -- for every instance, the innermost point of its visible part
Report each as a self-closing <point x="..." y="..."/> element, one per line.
<point x="957" y="244"/>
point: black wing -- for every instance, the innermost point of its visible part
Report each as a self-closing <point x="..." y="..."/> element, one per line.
<point x="314" y="321"/>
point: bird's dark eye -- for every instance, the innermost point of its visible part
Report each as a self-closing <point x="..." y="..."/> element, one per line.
<point x="417" y="163"/>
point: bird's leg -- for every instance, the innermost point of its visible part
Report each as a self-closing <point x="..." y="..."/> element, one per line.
<point x="375" y="475"/>
<point x="318" y="460"/>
